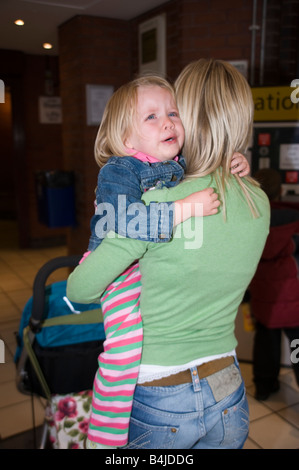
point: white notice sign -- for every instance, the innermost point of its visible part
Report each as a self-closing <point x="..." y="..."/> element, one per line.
<point x="289" y="157"/>
<point x="96" y="100"/>
<point x="50" y="110"/>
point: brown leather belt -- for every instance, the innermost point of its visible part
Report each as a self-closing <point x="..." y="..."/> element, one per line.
<point x="204" y="370"/>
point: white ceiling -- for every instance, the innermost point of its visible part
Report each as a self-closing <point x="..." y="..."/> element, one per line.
<point x="42" y="17"/>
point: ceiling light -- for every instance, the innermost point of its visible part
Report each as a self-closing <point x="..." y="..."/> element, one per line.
<point x="19" y="22"/>
<point x="47" y="45"/>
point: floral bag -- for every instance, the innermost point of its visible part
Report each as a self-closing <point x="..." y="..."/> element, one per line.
<point x="67" y="417"/>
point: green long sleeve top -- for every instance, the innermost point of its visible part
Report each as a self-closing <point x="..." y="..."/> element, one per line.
<point x="191" y="286"/>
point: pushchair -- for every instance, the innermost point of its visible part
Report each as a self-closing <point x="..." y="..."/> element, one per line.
<point x="57" y="356"/>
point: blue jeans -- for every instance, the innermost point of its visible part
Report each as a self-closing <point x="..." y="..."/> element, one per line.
<point x="211" y="413"/>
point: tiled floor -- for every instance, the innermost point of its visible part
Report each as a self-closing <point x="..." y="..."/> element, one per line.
<point x="274" y="424"/>
<point x="17" y="271"/>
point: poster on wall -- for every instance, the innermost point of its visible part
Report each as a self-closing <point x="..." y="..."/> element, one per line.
<point x="152" y="46"/>
<point x="96" y="100"/>
<point x="241" y="65"/>
<point x="50" y="110"/>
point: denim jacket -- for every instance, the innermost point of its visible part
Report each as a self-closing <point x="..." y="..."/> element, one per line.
<point x="119" y="208"/>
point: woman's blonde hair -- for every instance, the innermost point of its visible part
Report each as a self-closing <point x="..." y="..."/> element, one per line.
<point x="216" y="107"/>
<point x="118" y="117"/>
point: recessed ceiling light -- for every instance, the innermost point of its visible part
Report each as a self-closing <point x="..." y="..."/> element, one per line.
<point x="19" y="22"/>
<point x="47" y="45"/>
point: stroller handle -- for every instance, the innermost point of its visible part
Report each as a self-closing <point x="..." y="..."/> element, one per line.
<point x="39" y="285"/>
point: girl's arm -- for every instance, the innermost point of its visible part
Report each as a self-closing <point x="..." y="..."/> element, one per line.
<point x="120" y="209"/>
<point x="198" y="204"/>
<point x="206" y="202"/>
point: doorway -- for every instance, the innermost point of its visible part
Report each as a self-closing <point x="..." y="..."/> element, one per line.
<point x="13" y="194"/>
<point x="8" y="207"/>
<point x="7" y="188"/>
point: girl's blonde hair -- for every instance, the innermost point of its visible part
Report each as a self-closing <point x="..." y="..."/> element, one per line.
<point x="118" y="117"/>
<point x="216" y="107"/>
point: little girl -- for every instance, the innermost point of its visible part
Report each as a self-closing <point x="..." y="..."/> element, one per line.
<point x="141" y="124"/>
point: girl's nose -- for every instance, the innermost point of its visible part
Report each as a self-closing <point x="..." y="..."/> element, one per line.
<point x="169" y="124"/>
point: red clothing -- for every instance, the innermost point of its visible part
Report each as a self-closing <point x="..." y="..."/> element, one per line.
<point x="274" y="290"/>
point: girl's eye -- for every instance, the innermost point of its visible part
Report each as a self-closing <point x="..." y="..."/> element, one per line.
<point x="151" y="116"/>
<point x="173" y="114"/>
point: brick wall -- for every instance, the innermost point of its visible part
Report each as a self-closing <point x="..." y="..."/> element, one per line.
<point x="282" y="44"/>
<point x="223" y="30"/>
<point x="105" y="51"/>
<point x="92" y="51"/>
<point x="35" y="146"/>
<point x="43" y="143"/>
<point x="202" y="28"/>
<point x="212" y="28"/>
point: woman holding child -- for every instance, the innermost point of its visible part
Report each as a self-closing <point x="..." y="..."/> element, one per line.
<point x="190" y="393"/>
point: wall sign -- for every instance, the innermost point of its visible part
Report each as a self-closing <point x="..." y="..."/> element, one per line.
<point x="50" y="110"/>
<point x="96" y="100"/>
<point x="289" y="156"/>
<point x="152" y="46"/>
<point x="241" y="65"/>
<point x="274" y="104"/>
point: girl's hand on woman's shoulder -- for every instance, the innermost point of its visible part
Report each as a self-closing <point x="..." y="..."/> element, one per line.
<point x="239" y="165"/>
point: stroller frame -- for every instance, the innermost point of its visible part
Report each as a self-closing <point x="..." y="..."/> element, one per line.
<point x="38" y="321"/>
